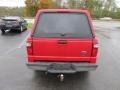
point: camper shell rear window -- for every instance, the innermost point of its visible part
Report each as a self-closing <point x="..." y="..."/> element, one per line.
<point x="62" y="25"/>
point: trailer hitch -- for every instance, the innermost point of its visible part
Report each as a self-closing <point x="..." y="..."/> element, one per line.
<point x="61" y="77"/>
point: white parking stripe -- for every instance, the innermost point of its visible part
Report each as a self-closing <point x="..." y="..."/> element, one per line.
<point x="23" y="42"/>
<point x="10" y="50"/>
<point x="19" y="46"/>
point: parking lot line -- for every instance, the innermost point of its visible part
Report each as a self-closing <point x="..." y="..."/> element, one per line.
<point x="23" y="42"/>
<point x="10" y="50"/>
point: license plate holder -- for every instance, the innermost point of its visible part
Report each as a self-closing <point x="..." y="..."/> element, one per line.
<point x="61" y="68"/>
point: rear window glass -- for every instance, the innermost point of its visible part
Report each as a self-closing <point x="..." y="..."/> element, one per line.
<point x="63" y="25"/>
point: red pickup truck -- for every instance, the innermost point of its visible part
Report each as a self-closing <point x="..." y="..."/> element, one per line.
<point x="62" y="41"/>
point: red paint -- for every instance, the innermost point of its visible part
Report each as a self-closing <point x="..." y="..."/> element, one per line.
<point x="49" y="49"/>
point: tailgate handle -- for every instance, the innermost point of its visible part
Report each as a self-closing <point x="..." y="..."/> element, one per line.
<point x="62" y="41"/>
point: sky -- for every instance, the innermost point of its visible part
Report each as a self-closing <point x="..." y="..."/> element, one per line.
<point x="12" y="3"/>
<point x="118" y="3"/>
<point x="20" y="3"/>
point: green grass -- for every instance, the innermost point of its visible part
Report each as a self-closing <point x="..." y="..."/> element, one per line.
<point x="29" y="25"/>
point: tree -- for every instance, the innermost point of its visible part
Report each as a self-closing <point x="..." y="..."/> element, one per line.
<point x="98" y="8"/>
<point x="45" y="4"/>
<point x="110" y="5"/>
<point x="57" y="3"/>
<point x="11" y="11"/>
<point x="33" y="5"/>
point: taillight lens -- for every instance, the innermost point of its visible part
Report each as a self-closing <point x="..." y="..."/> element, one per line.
<point x="28" y="44"/>
<point x="29" y="47"/>
<point x="95" y="47"/>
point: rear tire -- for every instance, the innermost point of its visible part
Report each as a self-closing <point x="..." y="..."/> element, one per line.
<point x="21" y="29"/>
<point x="3" y="31"/>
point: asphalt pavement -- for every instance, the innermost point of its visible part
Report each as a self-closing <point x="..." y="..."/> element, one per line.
<point x="14" y="75"/>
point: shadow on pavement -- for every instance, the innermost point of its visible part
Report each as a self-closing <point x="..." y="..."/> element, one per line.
<point x="51" y="81"/>
<point x="12" y="33"/>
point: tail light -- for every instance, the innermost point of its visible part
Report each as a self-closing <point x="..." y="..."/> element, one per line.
<point x="95" y="47"/>
<point x="29" y="47"/>
<point x="28" y="44"/>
